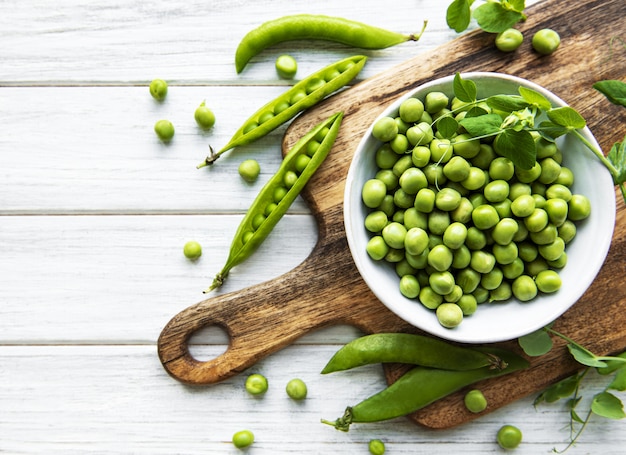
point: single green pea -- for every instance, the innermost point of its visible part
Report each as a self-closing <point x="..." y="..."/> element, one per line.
<point x="385" y="129"/>
<point x="558" y="263"/>
<point x="528" y="175"/>
<point x="501" y="293"/>
<point x="545" y="236"/>
<point x="509" y="40"/>
<point x="454" y="236"/>
<point x="441" y="282"/>
<point x="390" y="179"/>
<point x="463" y="213"/>
<point x="461" y="257"/>
<point x="509" y="437"/>
<point x="412" y="180"/>
<point x="536" y="266"/>
<point x="402" y="199"/>
<point x="385" y="157"/>
<point x="485" y="216"/>
<point x="434" y="175"/>
<point x="192" y="250"/>
<point x="482" y="261"/>
<point x="475" y="239"/>
<point x="484" y="157"/>
<point x="504" y="231"/>
<point x="558" y="191"/>
<point x="373" y="193"/>
<point x="518" y="189"/>
<point x="405" y="162"/>
<point x="475" y="401"/>
<point x="447" y="199"/>
<point x="550" y="170"/>
<point x="505" y="254"/>
<point x="537" y="220"/>
<point x="377" y="248"/>
<point x="425" y="200"/>
<point x="455" y="295"/>
<point x="440" y="150"/>
<point x="545" y="148"/>
<point x="546" y="41"/>
<point x="399" y="144"/>
<point x="468" y="279"/>
<point x="566" y="177"/>
<point x="387" y="205"/>
<point x="567" y="231"/>
<point x="552" y="251"/>
<point x="290" y="178"/>
<point x="394" y="234"/>
<point x="481" y="294"/>
<point x="414" y="218"/>
<point x="376" y="221"/>
<point x="376" y="447"/>
<point x="468" y="304"/>
<point x="435" y="101"/>
<point x="418" y="261"/>
<point x="440" y="258"/>
<point x="475" y="179"/>
<point x="416" y="241"/>
<point x="466" y="146"/>
<point x="492" y="279"/>
<point x="420" y="155"/>
<point x="158" y="89"/>
<point x="557" y="210"/>
<point x="579" y="207"/>
<point x="409" y="286"/>
<point x="256" y="384"/>
<point x="249" y="170"/>
<point x="420" y="134"/>
<point x="205" y="118"/>
<point x="302" y="161"/>
<point x="548" y="281"/>
<point x="404" y="268"/>
<point x="402" y="125"/>
<point x="164" y="130"/>
<point x="449" y="315"/>
<point x="496" y="190"/>
<point x="527" y="251"/>
<point x="501" y="168"/>
<point x="243" y="438"/>
<point x="296" y="389"/>
<point x="438" y="221"/>
<point x="457" y="169"/>
<point x="316" y="83"/>
<point x="524" y="288"/>
<point x="411" y="110"/>
<point x="286" y="66"/>
<point x="513" y="269"/>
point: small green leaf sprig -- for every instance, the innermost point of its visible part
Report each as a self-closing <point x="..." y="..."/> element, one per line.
<point x="511" y="120"/>
<point x="493" y="16"/>
<point x="604" y="404"/>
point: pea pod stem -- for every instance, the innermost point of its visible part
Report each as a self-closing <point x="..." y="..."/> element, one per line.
<point x="251" y="233"/>
<point x="301" y="96"/>
<point x="420" y="387"/>
<point x="410" y="349"/>
<point x="317" y="27"/>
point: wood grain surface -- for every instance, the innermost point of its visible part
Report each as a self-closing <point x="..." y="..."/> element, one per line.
<point x="326" y="288"/>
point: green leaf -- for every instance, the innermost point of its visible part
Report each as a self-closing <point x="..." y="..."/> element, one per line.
<point x="562" y="389"/>
<point x="536" y="343"/>
<point x="458" y="15"/>
<point x="464" y="90"/>
<point x="617" y="157"/>
<point x="567" y="117"/>
<point x="515" y="5"/>
<point x="518" y="146"/>
<point x="584" y="356"/>
<point x="535" y="98"/>
<point x="619" y="381"/>
<point x="613" y="365"/>
<point x="483" y="125"/>
<point x="507" y="103"/>
<point x="494" y="18"/>
<point x="551" y="130"/>
<point x="475" y="111"/>
<point x="447" y="126"/>
<point x="615" y="91"/>
<point x="607" y="405"/>
<point x="575" y="416"/>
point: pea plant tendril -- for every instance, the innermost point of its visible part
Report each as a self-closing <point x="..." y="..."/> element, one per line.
<point x="603" y="404"/>
<point x="525" y="115"/>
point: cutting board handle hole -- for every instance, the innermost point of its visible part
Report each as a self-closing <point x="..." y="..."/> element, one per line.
<point x="208" y="343"/>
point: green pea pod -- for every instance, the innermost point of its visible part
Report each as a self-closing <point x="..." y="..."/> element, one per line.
<point x="301" y="96"/>
<point x="279" y="192"/>
<point x="316" y="27"/>
<point x="409" y="348"/>
<point x="420" y="387"/>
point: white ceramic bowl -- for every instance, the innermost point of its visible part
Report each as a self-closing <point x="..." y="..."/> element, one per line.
<point x="498" y="321"/>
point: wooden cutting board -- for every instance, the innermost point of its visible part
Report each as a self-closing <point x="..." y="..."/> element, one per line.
<point x="326" y="289"/>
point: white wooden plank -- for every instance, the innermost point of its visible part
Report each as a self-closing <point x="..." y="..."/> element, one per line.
<point x="186" y="42"/>
<point x="93" y="150"/>
<point x="118" y="399"/>
<point x="119" y="279"/>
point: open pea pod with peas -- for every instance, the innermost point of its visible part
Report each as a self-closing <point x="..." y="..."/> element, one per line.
<point x="275" y="198"/>
<point x="303" y="95"/>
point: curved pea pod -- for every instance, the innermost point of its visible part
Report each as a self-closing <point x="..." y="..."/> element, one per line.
<point x="267" y="209"/>
<point x="420" y="387"/>
<point x="411" y="349"/>
<point x="316" y="27"/>
<point x="303" y="95"/>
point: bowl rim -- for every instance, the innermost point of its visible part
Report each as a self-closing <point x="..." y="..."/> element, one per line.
<point x="480" y="336"/>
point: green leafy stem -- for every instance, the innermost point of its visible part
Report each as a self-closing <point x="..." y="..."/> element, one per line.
<point x="514" y="123"/>
<point x="604" y="404"/>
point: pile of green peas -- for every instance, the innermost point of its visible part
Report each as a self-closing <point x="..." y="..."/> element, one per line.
<point x="461" y="224"/>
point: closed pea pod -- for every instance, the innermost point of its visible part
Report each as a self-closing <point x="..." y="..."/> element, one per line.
<point x="306" y="93"/>
<point x="248" y="237"/>
<point x="421" y="386"/>
<point x="316" y="27"/>
<point x="411" y="349"/>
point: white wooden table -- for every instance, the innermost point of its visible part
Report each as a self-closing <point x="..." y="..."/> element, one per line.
<point x="94" y="212"/>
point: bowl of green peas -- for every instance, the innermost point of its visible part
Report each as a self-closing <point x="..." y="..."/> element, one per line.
<point x="475" y="209"/>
